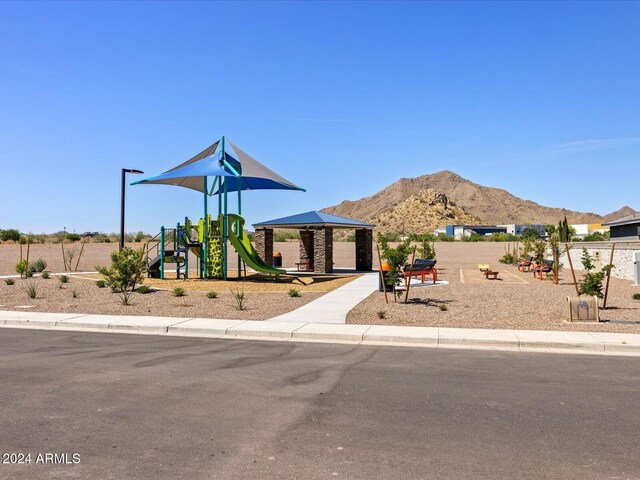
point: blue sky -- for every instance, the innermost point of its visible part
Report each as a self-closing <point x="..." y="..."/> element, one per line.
<point x="541" y="99"/>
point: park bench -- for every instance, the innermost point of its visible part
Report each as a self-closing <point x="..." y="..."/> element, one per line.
<point x="421" y="268"/>
<point x="491" y="275"/>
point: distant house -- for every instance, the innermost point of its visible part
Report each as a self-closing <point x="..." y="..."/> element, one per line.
<point x="625" y="228"/>
<point x="519" y="228"/>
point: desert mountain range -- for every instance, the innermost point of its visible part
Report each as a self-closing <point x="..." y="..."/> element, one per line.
<point x="427" y="202"/>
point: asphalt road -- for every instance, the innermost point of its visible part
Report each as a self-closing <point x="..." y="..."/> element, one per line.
<point x="149" y="407"/>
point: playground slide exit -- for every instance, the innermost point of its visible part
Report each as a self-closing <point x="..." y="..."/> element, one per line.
<point x="245" y="249"/>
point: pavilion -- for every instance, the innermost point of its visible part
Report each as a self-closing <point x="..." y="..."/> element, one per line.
<point x="316" y="239"/>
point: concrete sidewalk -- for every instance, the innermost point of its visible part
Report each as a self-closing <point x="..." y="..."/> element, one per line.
<point x="525" y="340"/>
<point x="334" y="306"/>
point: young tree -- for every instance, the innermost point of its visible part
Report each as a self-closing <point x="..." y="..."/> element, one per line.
<point x="127" y="268"/>
<point x="396" y="258"/>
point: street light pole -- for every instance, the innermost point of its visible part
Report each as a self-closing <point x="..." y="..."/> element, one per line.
<point x="122" y="186"/>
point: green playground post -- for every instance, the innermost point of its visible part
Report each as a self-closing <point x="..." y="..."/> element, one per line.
<point x="186" y="239"/>
<point x="162" y="253"/>
<point x="205" y="241"/>
<point x="224" y="221"/>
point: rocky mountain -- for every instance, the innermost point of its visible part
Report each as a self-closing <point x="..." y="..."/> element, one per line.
<point x="623" y="212"/>
<point x="430" y="201"/>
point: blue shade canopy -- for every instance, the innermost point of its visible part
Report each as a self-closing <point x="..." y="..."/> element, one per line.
<point x="313" y="219"/>
<point x="209" y="163"/>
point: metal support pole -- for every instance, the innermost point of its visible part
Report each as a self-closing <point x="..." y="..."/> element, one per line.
<point x="124" y="171"/>
<point x="186" y="239"/>
<point x="239" y="231"/>
<point x="225" y="234"/>
<point x="205" y="233"/>
<point x="161" y="253"/>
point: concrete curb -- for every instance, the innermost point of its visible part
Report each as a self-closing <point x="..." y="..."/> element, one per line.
<point x="512" y="340"/>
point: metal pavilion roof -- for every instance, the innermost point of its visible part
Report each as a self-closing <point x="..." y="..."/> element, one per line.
<point x="313" y="219"/>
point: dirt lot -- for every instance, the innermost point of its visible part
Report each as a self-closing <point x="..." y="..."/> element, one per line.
<point x="98" y="253"/>
<point x="515" y="300"/>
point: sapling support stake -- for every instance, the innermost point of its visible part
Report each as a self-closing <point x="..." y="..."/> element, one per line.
<point x="413" y="257"/>
<point x="606" y="288"/>
<point x="573" y="272"/>
<point x="80" y="256"/>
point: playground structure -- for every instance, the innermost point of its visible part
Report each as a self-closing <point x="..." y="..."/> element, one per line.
<point x="233" y="170"/>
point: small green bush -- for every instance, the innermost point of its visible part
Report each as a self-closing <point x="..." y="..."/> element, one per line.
<point x="178" y="292"/>
<point x="9" y="281"/>
<point x="293" y="292"/>
<point x="31" y="289"/>
<point x="212" y="294"/>
<point x="636" y="296"/>
<point x="125" y="272"/>
<point x="241" y="299"/>
<point x="63" y="279"/>
<point x="144" y="289"/>
<point x="382" y="314"/>
<point x="73" y="237"/>
<point x="22" y="267"/>
<point x="101" y="283"/>
<point x="443" y="307"/>
<point x="45" y="275"/>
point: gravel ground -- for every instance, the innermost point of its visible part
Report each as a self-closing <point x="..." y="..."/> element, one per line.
<point x="516" y="301"/>
<point x="91" y="299"/>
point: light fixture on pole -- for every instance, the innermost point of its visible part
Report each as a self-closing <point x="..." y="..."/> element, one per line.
<point x="124" y="172"/>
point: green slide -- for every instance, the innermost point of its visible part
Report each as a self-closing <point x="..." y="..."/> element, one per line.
<point x="245" y="249"/>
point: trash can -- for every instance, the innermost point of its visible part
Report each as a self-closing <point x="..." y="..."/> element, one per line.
<point x="277" y="260"/>
<point x="384" y="268"/>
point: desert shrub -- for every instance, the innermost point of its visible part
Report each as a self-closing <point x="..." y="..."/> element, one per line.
<point x="22" y="267"/>
<point x="126" y="270"/>
<point x="284" y="236"/>
<point x="10" y="234"/>
<point x="530" y="233"/>
<point x="38" y="265"/>
<point x="595" y="237"/>
<point x="443" y="307"/>
<point x="212" y="294"/>
<point x="443" y="237"/>
<point x="74" y="293"/>
<point x="73" y="237"/>
<point x="9" y="281"/>
<point x="591" y="282"/>
<point x="636" y="296"/>
<point x="422" y="237"/>
<point x="101" y="283"/>
<point x="427" y="251"/>
<point x="139" y="236"/>
<point x="350" y="238"/>
<point x="293" y="292"/>
<point x="143" y="289"/>
<point x="178" y="292"/>
<point x="45" y="275"/>
<point x="241" y="298"/>
<point x="509" y="259"/>
<point x="389" y="237"/>
<point x="474" y="237"/>
<point x="502" y="237"/>
<point x="381" y="314"/>
<point x="31" y="289"/>
<point x="63" y="278"/>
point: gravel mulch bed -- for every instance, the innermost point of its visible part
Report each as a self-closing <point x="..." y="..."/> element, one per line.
<point x="91" y="299"/>
<point x="470" y="301"/>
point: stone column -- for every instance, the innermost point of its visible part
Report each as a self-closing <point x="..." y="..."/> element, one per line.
<point x="323" y="246"/>
<point x="264" y="244"/>
<point x="364" y="249"/>
<point x="306" y="246"/>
